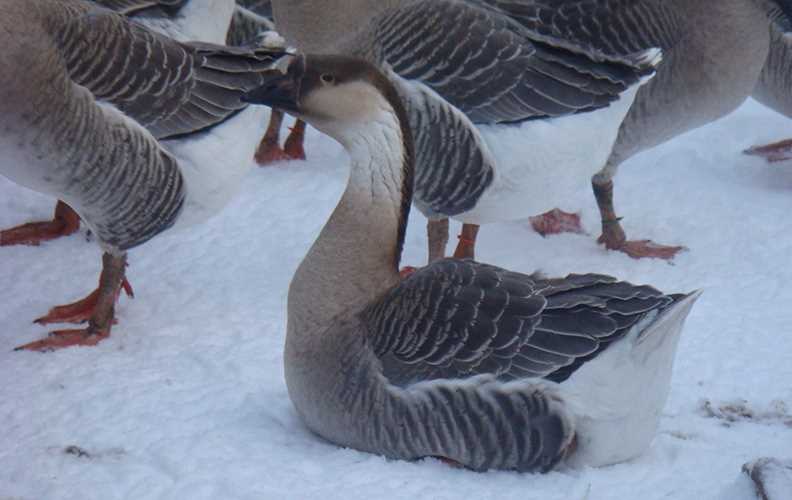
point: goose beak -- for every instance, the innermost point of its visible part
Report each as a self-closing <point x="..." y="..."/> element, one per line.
<point x="281" y="88"/>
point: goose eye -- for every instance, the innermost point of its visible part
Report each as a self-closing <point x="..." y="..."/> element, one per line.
<point x="327" y="78"/>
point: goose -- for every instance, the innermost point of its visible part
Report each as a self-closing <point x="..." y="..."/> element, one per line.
<point x="465" y="361"/>
<point x="182" y="20"/>
<point x="107" y="118"/>
<point x="774" y="88"/>
<point x="525" y="61"/>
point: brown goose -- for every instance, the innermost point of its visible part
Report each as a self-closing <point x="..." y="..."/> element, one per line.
<point x="469" y="362"/>
<point x="105" y="118"/>
<point x="183" y="20"/>
<point x="507" y="61"/>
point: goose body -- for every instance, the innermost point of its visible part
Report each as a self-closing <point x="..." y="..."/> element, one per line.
<point x="102" y="118"/>
<point x="214" y="163"/>
<point x="493" y="54"/>
<point x="461" y="360"/>
<point x="712" y="53"/>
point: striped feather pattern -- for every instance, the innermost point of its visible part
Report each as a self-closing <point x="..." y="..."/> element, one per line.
<point x="111" y="90"/>
<point x="445" y="139"/>
<point x="460" y="319"/>
<point x="480" y="423"/>
<point x="604" y="29"/>
<point x="495" y="69"/>
<point x="455" y="361"/>
<point x="168" y="87"/>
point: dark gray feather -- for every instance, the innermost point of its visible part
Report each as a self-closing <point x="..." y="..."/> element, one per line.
<point x="458" y="319"/>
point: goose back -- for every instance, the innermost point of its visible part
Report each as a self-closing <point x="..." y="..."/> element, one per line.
<point x="470" y="362"/>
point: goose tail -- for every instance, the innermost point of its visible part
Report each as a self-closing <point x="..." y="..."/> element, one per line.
<point x="667" y="325"/>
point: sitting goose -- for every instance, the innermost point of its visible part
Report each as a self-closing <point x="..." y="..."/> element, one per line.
<point x="506" y="61"/>
<point x="82" y="121"/>
<point x="182" y="20"/>
<point x="461" y="360"/>
<point x="774" y="88"/>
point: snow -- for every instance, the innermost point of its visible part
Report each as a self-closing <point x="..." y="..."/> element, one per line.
<point x="187" y="398"/>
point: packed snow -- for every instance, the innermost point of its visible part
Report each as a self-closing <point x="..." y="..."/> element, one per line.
<point x="186" y="400"/>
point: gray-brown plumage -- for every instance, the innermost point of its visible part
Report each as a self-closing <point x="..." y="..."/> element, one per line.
<point x="495" y="61"/>
<point x="83" y="117"/>
<point x="461" y="360"/>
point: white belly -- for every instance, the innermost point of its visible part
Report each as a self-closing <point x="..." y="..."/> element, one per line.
<point x="215" y="163"/>
<point x="541" y="164"/>
<point x="617" y="398"/>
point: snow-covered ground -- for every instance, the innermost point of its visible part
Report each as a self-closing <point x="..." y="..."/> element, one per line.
<point x="186" y="400"/>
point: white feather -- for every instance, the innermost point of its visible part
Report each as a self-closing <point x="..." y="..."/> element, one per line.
<point x="540" y="162"/>
<point x="617" y="397"/>
<point x="215" y="162"/>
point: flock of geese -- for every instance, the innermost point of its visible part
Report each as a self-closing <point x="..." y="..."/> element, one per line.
<point x="103" y="105"/>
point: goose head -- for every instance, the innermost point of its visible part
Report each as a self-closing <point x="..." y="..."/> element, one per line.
<point x="343" y="97"/>
<point x="355" y="103"/>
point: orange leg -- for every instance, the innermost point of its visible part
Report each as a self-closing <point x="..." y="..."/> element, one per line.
<point x="101" y="305"/>
<point x="82" y="310"/>
<point x="294" y="143"/>
<point x="466" y="248"/>
<point x="64" y="222"/>
<point x="775" y="152"/>
<point x="269" y="150"/>
<point x="613" y="235"/>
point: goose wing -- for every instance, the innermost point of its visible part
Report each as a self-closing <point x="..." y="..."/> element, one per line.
<point x="457" y="319"/>
<point x="606" y="29"/>
<point x="496" y="69"/>
<point x="247" y="25"/>
<point x="459" y="164"/>
<point x="170" y="88"/>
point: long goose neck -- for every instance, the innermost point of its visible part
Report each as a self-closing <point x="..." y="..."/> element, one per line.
<point x="356" y="256"/>
<point x="320" y="26"/>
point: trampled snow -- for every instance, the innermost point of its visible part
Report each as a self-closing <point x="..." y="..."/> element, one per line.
<point x="186" y="400"/>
